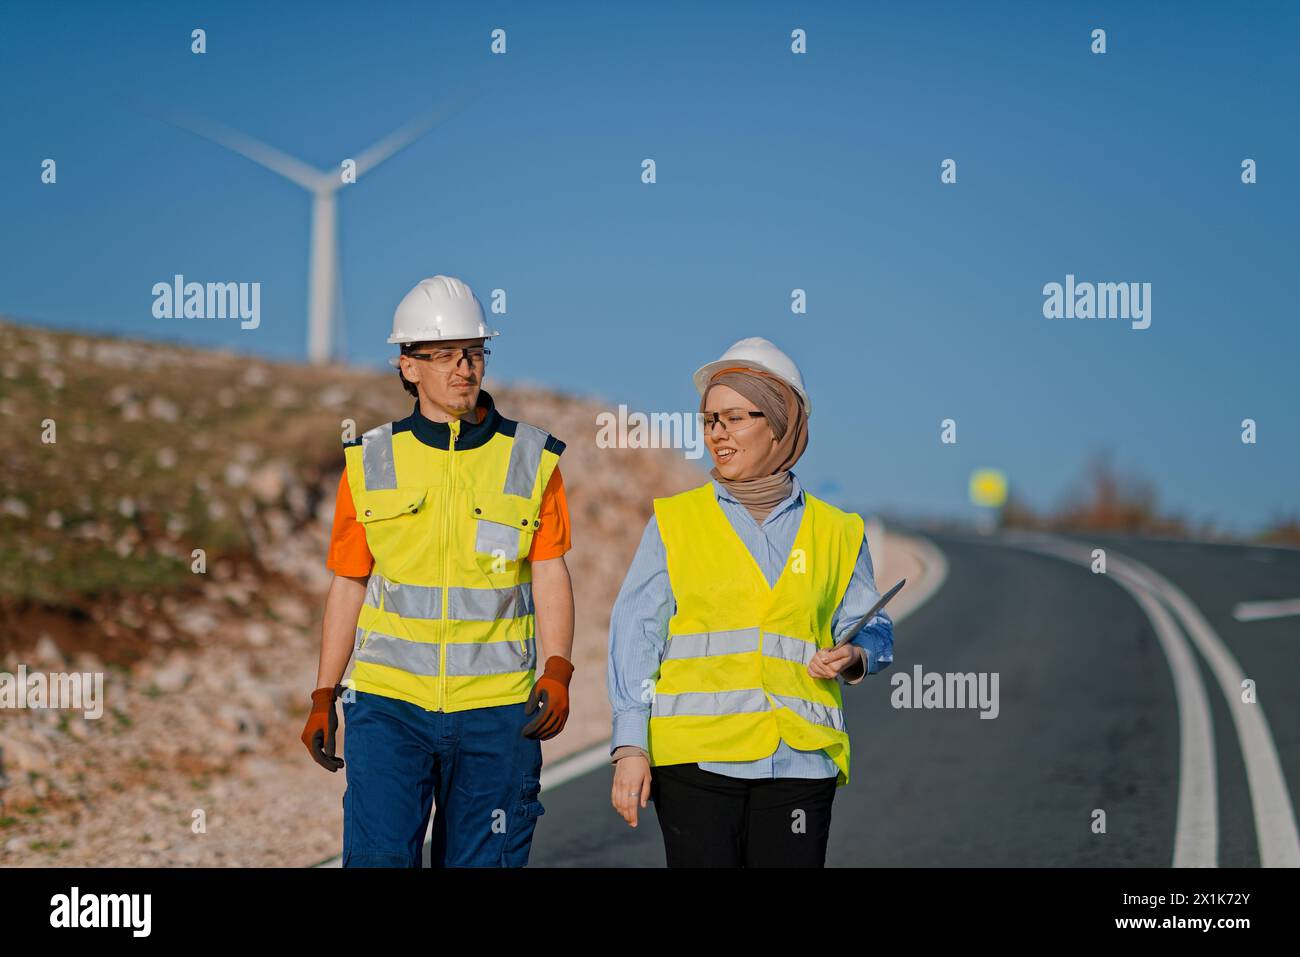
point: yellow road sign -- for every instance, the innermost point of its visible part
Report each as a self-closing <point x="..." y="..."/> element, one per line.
<point x="988" y="487"/>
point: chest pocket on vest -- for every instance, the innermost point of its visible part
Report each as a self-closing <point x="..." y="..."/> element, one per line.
<point x="386" y="514"/>
<point x="382" y="504"/>
<point x="504" y="524"/>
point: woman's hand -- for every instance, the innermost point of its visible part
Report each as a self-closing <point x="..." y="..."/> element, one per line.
<point x="829" y="662"/>
<point x="631" y="784"/>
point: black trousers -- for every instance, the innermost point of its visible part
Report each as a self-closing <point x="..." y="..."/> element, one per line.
<point x="712" y="820"/>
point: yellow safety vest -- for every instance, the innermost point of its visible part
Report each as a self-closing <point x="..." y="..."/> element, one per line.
<point x="449" y="511"/>
<point x="733" y="681"/>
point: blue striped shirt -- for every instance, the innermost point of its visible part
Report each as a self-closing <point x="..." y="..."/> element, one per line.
<point x="638" y="630"/>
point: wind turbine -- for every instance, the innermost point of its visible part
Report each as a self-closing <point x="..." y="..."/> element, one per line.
<point x="323" y="281"/>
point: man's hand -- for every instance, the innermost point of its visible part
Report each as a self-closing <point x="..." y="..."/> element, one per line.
<point x="321" y="725"/>
<point x="829" y="662"/>
<point x="552" y="691"/>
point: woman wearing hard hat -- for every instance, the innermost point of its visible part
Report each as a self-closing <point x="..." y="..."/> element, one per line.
<point x="722" y="675"/>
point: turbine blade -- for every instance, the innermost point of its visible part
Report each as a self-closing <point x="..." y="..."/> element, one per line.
<point x="273" y="159"/>
<point x="405" y="135"/>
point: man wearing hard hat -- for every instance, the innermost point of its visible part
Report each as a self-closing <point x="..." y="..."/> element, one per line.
<point x="448" y="546"/>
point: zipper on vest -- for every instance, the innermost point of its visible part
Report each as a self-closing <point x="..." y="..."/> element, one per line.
<point x="446" y="559"/>
<point x="520" y="558"/>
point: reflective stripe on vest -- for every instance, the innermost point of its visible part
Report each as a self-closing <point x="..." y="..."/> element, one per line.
<point x="741" y="702"/>
<point x="710" y="702"/>
<point x="422" y="658"/>
<point x="712" y="643"/>
<point x="525" y="457"/>
<point x="463" y="604"/>
<point x="738" y="642"/>
<point x="733" y="680"/>
<point x="377" y="454"/>
<point x="810" y="711"/>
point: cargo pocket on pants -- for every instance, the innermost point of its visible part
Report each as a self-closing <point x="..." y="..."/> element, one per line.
<point x="523" y="822"/>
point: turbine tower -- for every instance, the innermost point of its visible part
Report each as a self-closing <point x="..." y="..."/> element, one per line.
<point x="323" y="281"/>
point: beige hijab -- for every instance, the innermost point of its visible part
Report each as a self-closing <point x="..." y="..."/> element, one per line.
<point x="771" y="482"/>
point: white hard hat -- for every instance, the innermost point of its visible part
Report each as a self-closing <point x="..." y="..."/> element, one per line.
<point x="756" y="353"/>
<point x="439" y="308"/>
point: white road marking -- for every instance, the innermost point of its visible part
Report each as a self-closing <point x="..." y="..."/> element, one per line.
<point x="1196" y="821"/>
<point x="1196" y="830"/>
<point x="1275" y="825"/>
<point x="1259" y="610"/>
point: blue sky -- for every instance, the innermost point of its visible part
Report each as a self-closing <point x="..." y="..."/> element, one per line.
<point x="775" y="171"/>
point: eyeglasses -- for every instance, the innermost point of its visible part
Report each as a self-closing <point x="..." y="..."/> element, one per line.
<point x="733" y="420"/>
<point x="476" y="356"/>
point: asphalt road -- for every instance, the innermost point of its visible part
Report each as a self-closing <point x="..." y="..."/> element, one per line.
<point x="1088" y="720"/>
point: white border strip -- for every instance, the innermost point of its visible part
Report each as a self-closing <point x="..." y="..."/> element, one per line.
<point x="1196" y="821"/>
<point x="1261" y="610"/>
<point x="1275" y="826"/>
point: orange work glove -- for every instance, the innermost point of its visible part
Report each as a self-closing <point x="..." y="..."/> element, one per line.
<point x="321" y="725"/>
<point x="552" y="688"/>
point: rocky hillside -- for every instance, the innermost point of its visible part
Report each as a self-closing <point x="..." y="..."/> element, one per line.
<point x="117" y="460"/>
